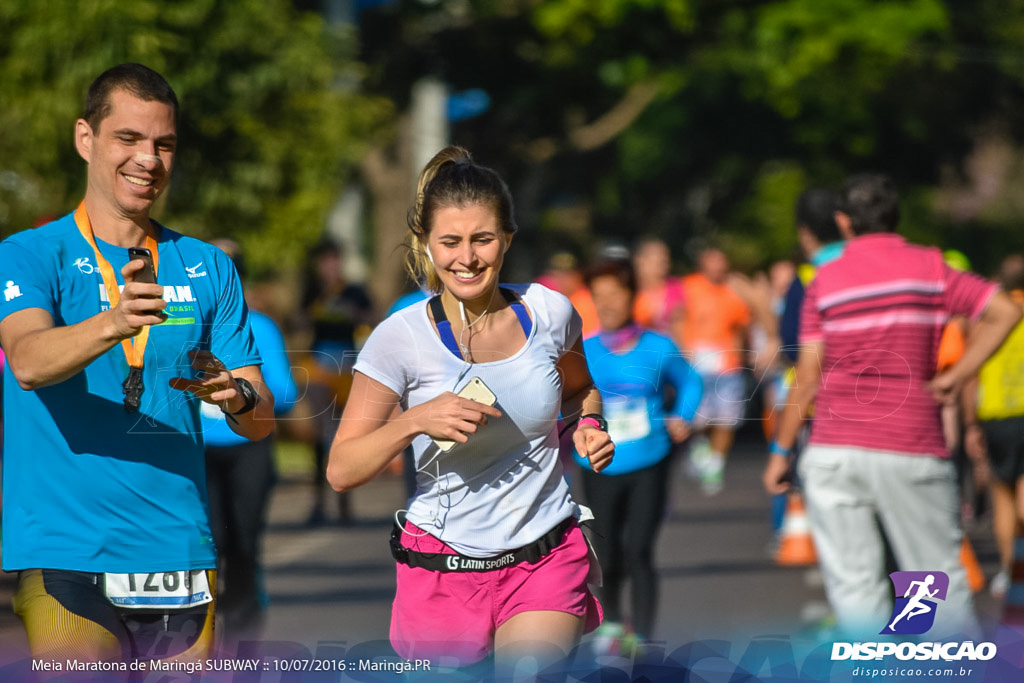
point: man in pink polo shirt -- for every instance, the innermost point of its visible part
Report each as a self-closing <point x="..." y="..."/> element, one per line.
<point x="869" y="334"/>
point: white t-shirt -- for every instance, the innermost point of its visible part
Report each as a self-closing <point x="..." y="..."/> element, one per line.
<point x="504" y="488"/>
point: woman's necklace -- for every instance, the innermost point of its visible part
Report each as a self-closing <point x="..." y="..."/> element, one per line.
<point x="468" y="326"/>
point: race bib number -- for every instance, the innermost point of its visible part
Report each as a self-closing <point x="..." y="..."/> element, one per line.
<point x="709" y="361"/>
<point x="158" y="590"/>
<point x="627" y="420"/>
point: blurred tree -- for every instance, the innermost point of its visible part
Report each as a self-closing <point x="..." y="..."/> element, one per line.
<point x="690" y="118"/>
<point x="270" y="125"/>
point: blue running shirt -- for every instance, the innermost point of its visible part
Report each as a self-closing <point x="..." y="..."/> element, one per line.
<point x="87" y="485"/>
<point x="632" y="386"/>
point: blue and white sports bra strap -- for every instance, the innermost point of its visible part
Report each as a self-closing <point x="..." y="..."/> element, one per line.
<point x="444" y="326"/>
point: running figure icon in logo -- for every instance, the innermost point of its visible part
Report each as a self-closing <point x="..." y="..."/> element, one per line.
<point x="919" y="591"/>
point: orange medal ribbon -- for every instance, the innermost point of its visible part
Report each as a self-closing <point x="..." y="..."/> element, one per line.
<point x="134" y="348"/>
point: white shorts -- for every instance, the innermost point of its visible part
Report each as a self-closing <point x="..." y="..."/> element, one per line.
<point x="725" y="400"/>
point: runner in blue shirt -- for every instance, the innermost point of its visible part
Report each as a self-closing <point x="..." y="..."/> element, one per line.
<point x="634" y="369"/>
<point x="104" y="483"/>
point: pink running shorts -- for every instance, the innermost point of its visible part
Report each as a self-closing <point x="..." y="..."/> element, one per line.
<point x="450" y="617"/>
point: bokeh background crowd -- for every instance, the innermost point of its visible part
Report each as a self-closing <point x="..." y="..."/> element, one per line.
<point x="644" y="128"/>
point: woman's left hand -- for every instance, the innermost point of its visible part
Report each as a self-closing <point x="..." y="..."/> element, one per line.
<point x="678" y="430"/>
<point x="595" y="445"/>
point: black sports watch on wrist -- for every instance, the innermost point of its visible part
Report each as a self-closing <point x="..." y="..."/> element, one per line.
<point x="602" y="424"/>
<point x="249" y="393"/>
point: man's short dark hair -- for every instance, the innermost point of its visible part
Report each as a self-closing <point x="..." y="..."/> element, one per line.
<point x="138" y="80"/>
<point x="872" y="203"/>
<point x="816" y="211"/>
<point x="619" y="268"/>
<point x="1011" y="272"/>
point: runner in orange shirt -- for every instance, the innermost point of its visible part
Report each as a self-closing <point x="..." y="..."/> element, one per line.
<point x="713" y="333"/>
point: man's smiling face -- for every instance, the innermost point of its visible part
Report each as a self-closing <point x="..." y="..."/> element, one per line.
<point x="131" y="153"/>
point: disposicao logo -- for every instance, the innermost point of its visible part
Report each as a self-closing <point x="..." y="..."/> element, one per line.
<point x="916" y="595"/>
<point x="917" y="600"/>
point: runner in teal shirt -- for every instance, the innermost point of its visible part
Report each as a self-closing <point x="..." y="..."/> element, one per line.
<point x="89" y="486"/>
<point x="104" y="481"/>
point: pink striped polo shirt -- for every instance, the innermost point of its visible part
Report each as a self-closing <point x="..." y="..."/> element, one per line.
<point x="880" y="309"/>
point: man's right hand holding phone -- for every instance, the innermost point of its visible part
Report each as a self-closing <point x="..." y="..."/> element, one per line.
<point x="141" y="303"/>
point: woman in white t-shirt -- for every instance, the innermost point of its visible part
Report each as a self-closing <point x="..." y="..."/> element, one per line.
<point x="490" y="555"/>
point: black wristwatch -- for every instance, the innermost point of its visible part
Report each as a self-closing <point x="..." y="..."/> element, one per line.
<point x="602" y="424"/>
<point x="249" y="393"/>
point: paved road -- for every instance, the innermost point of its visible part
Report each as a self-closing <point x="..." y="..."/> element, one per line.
<point x="330" y="587"/>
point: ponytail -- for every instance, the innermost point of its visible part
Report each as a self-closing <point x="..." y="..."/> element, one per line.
<point x="451" y="178"/>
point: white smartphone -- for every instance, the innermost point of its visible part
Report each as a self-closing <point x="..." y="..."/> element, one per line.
<point x="475" y="390"/>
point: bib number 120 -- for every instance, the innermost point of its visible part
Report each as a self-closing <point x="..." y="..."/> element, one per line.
<point x="161" y="590"/>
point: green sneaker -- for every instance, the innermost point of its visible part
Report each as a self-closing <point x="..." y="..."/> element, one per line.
<point x="699" y="457"/>
<point x="712" y="478"/>
<point x="607" y="639"/>
<point x="628" y="645"/>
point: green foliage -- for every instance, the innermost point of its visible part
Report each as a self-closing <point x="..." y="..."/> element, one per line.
<point x="764" y="221"/>
<point x="756" y="100"/>
<point x="800" y="48"/>
<point x="582" y="21"/>
<point x="269" y="131"/>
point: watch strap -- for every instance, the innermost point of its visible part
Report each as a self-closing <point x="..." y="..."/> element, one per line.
<point x="249" y="393"/>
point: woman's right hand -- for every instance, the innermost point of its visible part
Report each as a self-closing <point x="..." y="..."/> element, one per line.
<point x="451" y="417"/>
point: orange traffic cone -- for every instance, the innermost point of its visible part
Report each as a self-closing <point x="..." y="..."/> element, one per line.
<point x="1013" y="608"/>
<point x="975" y="576"/>
<point x="796" y="548"/>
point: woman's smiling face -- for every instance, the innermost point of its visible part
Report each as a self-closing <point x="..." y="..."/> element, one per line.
<point x="467" y="247"/>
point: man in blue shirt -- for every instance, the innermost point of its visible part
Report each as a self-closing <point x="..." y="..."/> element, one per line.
<point x="821" y="243"/>
<point x="104" y="482"/>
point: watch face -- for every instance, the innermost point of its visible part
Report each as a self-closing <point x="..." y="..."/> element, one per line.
<point x="248" y="392"/>
<point x="246" y="387"/>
